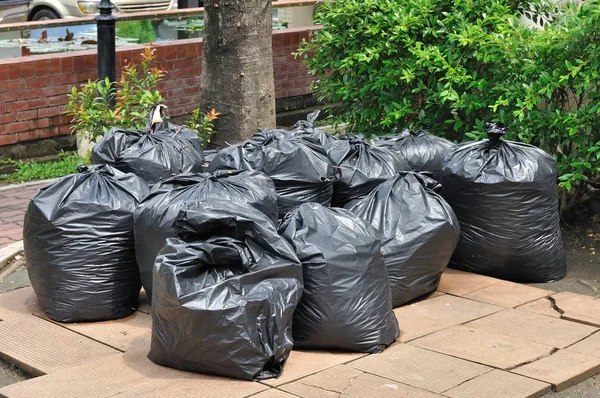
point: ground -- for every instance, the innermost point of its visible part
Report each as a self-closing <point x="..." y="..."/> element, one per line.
<point x="581" y="241"/>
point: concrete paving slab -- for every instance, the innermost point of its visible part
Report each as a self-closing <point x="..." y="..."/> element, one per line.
<point x="578" y="308"/>
<point x="499" y="384"/>
<point x="420" y="368"/>
<point x="130" y="375"/>
<point x="425" y="317"/>
<point x="19" y="302"/>
<point x="508" y="294"/>
<point x="483" y="347"/>
<point x="326" y="384"/>
<point x="533" y="327"/>
<point x="41" y="347"/>
<point x="588" y="346"/>
<point x="562" y="369"/>
<point x="344" y="381"/>
<point x="273" y="393"/>
<point x="122" y="334"/>
<point x="460" y="283"/>
<point x="304" y="363"/>
<point x="541" y="306"/>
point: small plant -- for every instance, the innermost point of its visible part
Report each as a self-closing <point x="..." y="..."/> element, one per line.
<point x="203" y="124"/>
<point x="135" y="94"/>
<point x="28" y="170"/>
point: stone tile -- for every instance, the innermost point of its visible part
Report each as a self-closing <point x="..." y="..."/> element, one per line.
<point x="483" y="347"/>
<point x="562" y="369"/>
<point x="130" y="375"/>
<point x="588" y="346"/>
<point x="437" y="293"/>
<point x="420" y="368"/>
<point x="541" y="306"/>
<point x="508" y="294"/>
<point x="40" y="347"/>
<point x="424" y="317"/>
<point x="19" y="302"/>
<point x="578" y="308"/>
<point x="533" y="327"/>
<point x="347" y="382"/>
<point x="304" y="363"/>
<point x="273" y="393"/>
<point x="122" y="334"/>
<point x="327" y="383"/>
<point x="460" y="283"/>
<point x="499" y="384"/>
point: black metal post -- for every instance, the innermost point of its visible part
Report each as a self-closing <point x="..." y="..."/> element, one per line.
<point x="106" y="43"/>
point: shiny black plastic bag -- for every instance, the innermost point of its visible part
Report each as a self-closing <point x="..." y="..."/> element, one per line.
<point x="225" y="294"/>
<point x="419" y="232"/>
<point x="161" y="151"/>
<point x="505" y="197"/>
<point x="79" y="249"/>
<point x="423" y="151"/>
<point x="346" y="303"/>
<point x="300" y="169"/>
<point x="360" y="167"/>
<point x="209" y="155"/>
<point x="155" y="216"/>
<point x="305" y="129"/>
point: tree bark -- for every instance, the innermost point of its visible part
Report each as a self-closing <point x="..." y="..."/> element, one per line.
<point x="237" y="68"/>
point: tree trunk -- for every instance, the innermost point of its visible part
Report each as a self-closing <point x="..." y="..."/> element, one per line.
<point x="237" y="68"/>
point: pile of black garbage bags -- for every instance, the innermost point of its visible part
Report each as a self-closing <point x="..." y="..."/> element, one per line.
<point x="293" y="238"/>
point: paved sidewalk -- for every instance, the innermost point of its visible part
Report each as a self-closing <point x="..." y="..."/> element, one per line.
<point x="13" y="203"/>
<point x="476" y="337"/>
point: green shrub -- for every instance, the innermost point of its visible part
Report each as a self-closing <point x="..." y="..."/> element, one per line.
<point x="449" y="66"/>
<point x="411" y="63"/>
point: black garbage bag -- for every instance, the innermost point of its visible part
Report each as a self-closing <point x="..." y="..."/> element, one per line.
<point x="300" y="169"/>
<point x="505" y="197"/>
<point x="360" y="167"/>
<point x="79" y="249"/>
<point x="423" y="151"/>
<point x="346" y="303"/>
<point x="155" y="216"/>
<point x="225" y="294"/>
<point x="161" y="151"/>
<point x="305" y="129"/>
<point x="419" y="232"/>
<point x="209" y="155"/>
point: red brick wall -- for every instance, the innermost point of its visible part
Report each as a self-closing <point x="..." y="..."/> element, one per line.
<point x="33" y="90"/>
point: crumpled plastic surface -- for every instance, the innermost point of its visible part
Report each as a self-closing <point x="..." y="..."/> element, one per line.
<point x="155" y="216"/>
<point x="360" y="167"/>
<point x="346" y="303"/>
<point x="423" y="151"/>
<point x="161" y="151"/>
<point x="224" y="294"/>
<point x="419" y="232"/>
<point x="300" y="169"/>
<point x="79" y="249"/>
<point x="305" y="129"/>
<point x="505" y="198"/>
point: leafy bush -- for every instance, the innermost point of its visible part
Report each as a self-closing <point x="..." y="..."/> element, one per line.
<point x="449" y="66"/>
<point x="135" y="94"/>
<point x="413" y="63"/>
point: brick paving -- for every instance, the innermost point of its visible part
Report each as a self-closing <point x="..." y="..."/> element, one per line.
<point x="13" y="203"/>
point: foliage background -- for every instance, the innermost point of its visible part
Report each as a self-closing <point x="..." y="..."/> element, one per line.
<point x="450" y="66"/>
